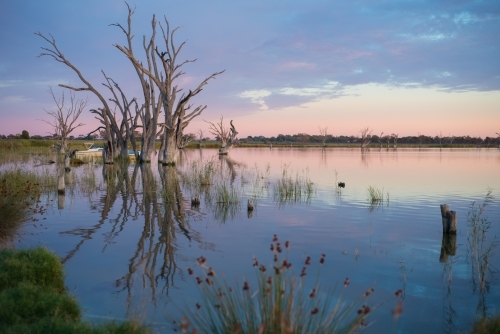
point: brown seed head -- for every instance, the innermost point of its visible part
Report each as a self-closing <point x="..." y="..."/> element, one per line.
<point x="246" y="287"/>
<point x="190" y="271"/>
<point x="315" y="310"/>
<point x="201" y="260"/>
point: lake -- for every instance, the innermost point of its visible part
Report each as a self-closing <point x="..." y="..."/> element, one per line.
<point x="127" y="234"/>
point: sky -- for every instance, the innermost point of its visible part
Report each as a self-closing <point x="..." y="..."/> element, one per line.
<point x="291" y="66"/>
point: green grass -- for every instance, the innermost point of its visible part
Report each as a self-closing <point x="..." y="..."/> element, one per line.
<point x="292" y="189"/>
<point x="33" y="298"/>
<point x="279" y="302"/>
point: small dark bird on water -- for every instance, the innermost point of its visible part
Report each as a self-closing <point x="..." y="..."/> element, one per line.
<point x="341" y="185"/>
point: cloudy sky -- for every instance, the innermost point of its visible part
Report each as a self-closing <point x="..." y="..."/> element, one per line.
<point x="399" y="66"/>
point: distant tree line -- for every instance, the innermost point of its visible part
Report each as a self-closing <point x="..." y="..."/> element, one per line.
<point x="305" y="138"/>
<point x="410" y="140"/>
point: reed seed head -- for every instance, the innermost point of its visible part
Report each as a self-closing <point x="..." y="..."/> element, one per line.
<point x="287" y="244"/>
<point x="346" y="282"/>
<point x="308" y="261"/>
<point x="190" y="271"/>
<point x="398" y="293"/>
<point x="313" y="293"/>
<point x="315" y="311"/>
<point x="246" y="287"/>
<point x="202" y="260"/>
<point x="322" y="260"/>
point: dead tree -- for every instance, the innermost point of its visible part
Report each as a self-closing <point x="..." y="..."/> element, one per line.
<point x="114" y="138"/>
<point x="227" y="136"/>
<point x="420" y="139"/>
<point x="366" y="135"/>
<point x="64" y="118"/>
<point x="451" y="139"/>
<point x="323" y="132"/>
<point x="200" y="137"/>
<point x="160" y="71"/>
<point x="380" y="138"/>
<point x="387" y="140"/>
<point x="395" y="137"/>
<point x="439" y="136"/>
<point x="186" y="139"/>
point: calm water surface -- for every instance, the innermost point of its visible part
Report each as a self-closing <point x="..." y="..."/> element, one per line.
<point x="127" y="234"/>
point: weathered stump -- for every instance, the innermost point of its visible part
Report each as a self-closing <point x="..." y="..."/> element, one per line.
<point x="195" y="201"/>
<point x="449" y="220"/>
<point x="67" y="161"/>
<point x="250" y="205"/>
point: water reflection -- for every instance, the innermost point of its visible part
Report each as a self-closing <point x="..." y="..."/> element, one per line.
<point x="137" y="223"/>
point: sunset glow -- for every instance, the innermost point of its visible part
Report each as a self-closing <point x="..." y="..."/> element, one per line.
<point x="290" y="66"/>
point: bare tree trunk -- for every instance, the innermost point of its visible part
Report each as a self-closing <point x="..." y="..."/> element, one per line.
<point x="365" y="137"/>
<point x="227" y="136"/>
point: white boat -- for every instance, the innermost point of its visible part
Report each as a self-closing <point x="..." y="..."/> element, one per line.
<point x="92" y="151"/>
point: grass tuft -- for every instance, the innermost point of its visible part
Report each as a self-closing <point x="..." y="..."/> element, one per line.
<point x="280" y="302"/>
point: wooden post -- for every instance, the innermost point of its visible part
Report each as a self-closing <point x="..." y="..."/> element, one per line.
<point x="452" y="222"/>
<point x="449" y="220"/>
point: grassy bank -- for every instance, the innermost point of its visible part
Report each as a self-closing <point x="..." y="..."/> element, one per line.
<point x="33" y="298"/>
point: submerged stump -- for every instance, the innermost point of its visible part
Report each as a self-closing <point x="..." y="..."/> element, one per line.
<point x="449" y="220"/>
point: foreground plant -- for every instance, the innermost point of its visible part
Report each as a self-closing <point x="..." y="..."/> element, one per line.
<point x="281" y="302"/>
<point x="33" y="298"/>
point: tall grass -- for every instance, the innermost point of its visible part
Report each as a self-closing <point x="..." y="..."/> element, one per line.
<point x="19" y="192"/>
<point x="481" y="248"/>
<point x="292" y="189"/>
<point x="280" y="303"/>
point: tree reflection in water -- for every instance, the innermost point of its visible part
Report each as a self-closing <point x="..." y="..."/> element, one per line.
<point x="139" y="195"/>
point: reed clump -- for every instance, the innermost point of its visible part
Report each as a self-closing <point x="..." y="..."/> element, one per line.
<point x="376" y="195"/>
<point x="292" y="189"/>
<point x="281" y="302"/>
<point x="33" y="298"/>
<point x="19" y="193"/>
